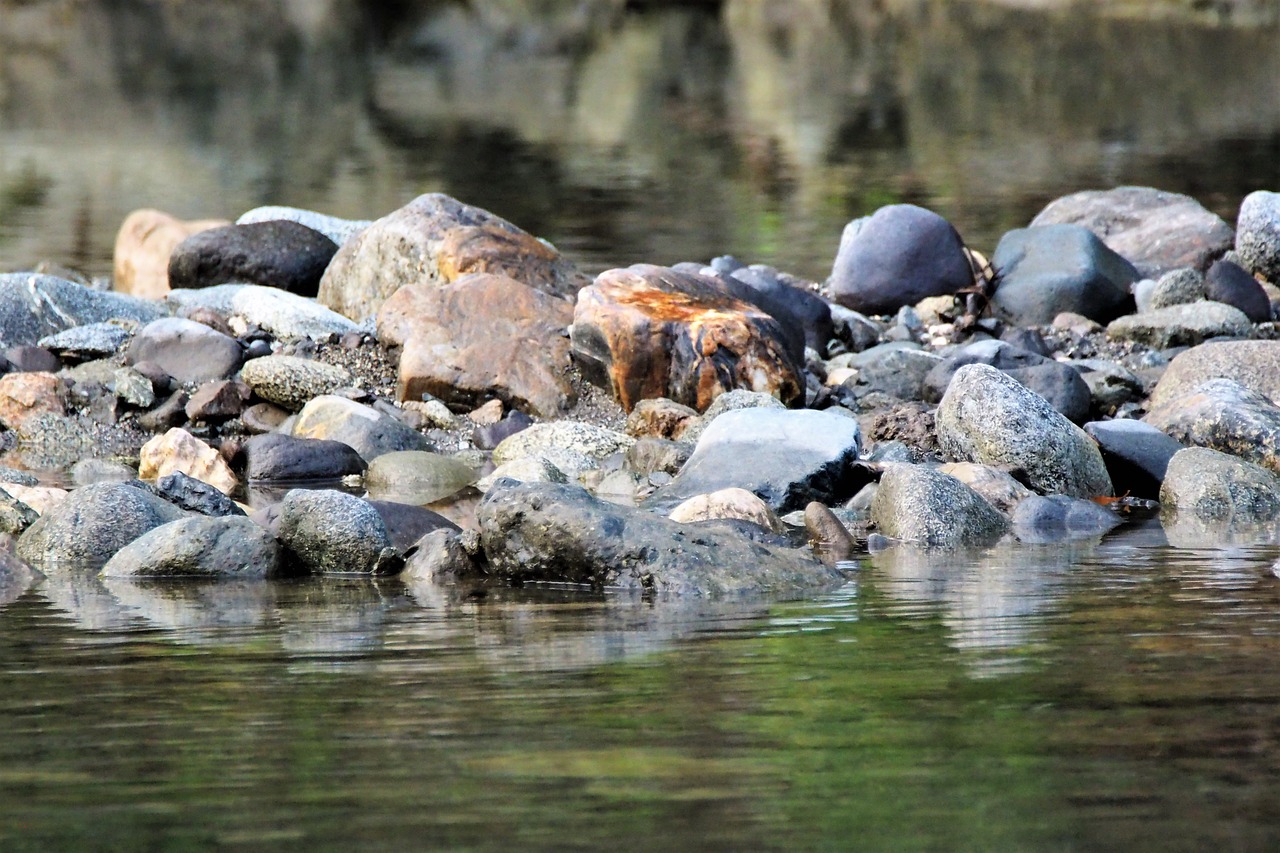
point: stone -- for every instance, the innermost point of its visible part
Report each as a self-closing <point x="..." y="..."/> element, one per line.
<point x="487" y="414"/>
<point x="650" y="455"/>
<point x="593" y="442"/>
<point x="33" y="306"/>
<point x="727" y="503"/>
<point x="196" y="496"/>
<point x="489" y="436"/>
<point x="911" y="424"/>
<point x="221" y="547"/>
<point x="278" y="253"/>
<point x="406" y="523"/>
<point x="336" y="229"/>
<point x="1180" y="286"/>
<point x="787" y="458"/>
<point x="991" y="418"/>
<point x="1252" y="364"/>
<point x="39" y="498"/>
<point x="143" y="245"/>
<point x="1180" y="325"/>
<point x="292" y="382"/>
<point x="1213" y="485"/>
<point x="180" y="451"/>
<point x="215" y="402"/>
<point x="997" y="487"/>
<point x="649" y="331"/>
<point x="417" y="477"/>
<point x="284" y="315"/>
<point x="1229" y="284"/>
<point x="32" y="359"/>
<point x="1055" y="518"/>
<point x="1226" y="416"/>
<point x="1058" y="383"/>
<point x="363" y="428"/>
<point x="86" y="472"/>
<point x="438" y="555"/>
<point x="435" y="240"/>
<point x="899" y="256"/>
<point x="91" y="524"/>
<point x="285" y="458"/>
<point x="780" y="297"/>
<point x="332" y="532"/>
<point x="82" y="343"/>
<point x="526" y="469"/>
<point x="481" y="336"/>
<point x="133" y="388"/>
<point x="1045" y="271"/>
<point x="171" y="413"/>
<point x="25" y="395"/>
<point x="830" y="539"/>
<point x="1258" y="234"/>
<point x="1154" y="230"/>
<point x="899" y="372"/>
<point x="659" y="417"/>
<point x="557" y="533"/>
<point x="922" y="505"/>
<point x="190" y="352"/>
<point x="853" y="331"/>
<point x="1136" y="455"/>
<point x="263" y="418"/>
<point x="15" y="516"/>
<point x="1111" y="385"/>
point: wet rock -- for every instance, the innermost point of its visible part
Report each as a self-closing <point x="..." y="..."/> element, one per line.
<point x="278" y="253"/>
<point x="924" y="506"/>
<point x="997" y="487"/>
<point x="591" y="442"/>
<point x="86" y="472"/>
<point x="991" y="418"/>
<point x="406" y="523"/>
<point x="336" y="229"/>
<point x="649" y="331"/>
<point x="829" y="538"/>
<point x="1058" y="517"/>
<point x="897" y="257"/>
<point x="196" y="496"/>
<point x="481" y="336"/>
<point x="659" y="417"/>
<point x="91" y="524"/>
<point x="438" y="555"/>
<point x="32" y="359"/>
<point x="1181" y="286"/>
<point x="33" y="306"/>
<point x="417" y="477"/>
<point x="83" y="343"/>
<point x="1252" y="364"/>
<point x="1155" y="230"/>
<point x="1180" y="325"/>
<point x="190" y="352"/>
<point x="284" y="315"/>
<point x="143" y="245"/>
<point x="15" y="516"/>
<point x="26" y="395"/>
<point x="222" y="547"/>
<point x="787" y="458"/>
<point x="1110" y="385"/>
<point x="368" y="431"/>
<point x="650" y="455"/>
<point x="435" y="240"/>
<point x="332" y="532"/>
<point x="285" y="458"/>
<point x="290" y="381"/>
<point x="1229" y="284"/>
<point x="1223" y="415"/>
<point x="526" y="469"/>
<point x="1058" y="383"/>
<point x="1136" y="455"/>
<point x="489" y="436"/>
<point x="1214" y="485"/>
<point x="1045" y="271"/>
<point x="548" y="532"/>
<point x="180" y="451"/>
<point x="215" y="402"/>
<point x="1258" y="234"/>
<point x="727" y="503"/>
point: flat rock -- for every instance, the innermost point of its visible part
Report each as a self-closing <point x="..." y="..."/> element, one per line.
<point x="285" y="315"/>
<point x="1136" y="455"/>
<point x="922" y="505"/>
<point x="82" y="343"/>
<point x="144" y="243"/>
<point x="1258" y="234"/>
<point x="33" y="306"/>
<point x="1180" y="325"/>
<point x="292" y="382"/>
<point x="190" y="352"/>
<point x="1252" y="364"/>
<point x="1213" y="485"/>
<point x="1045" y="271"/>
<point x="332" y="532"/>
<point x="1226" y="416"/>
<point x="335" y="228"/>
<point x="196" y="496"/>
<point x="286" y="458"/>
<point x="417" y="476"/>
<point x="222" y="547"/>
<point x="91" y="524"/>
<point x="363" y="428"/>
<point x="278" y="253"/>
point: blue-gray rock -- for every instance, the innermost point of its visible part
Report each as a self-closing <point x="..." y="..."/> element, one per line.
<point x="83" y="343"/>
<point x="854" y="331"/>
<point x="332" y="532"/>
<point x="1058" y="383"/>
<point x="368" y="431"/>
<point x="1180" y="325"/>
<point x="284" y="315"/>
<point x="335" y="228"/>
<point x="489" y="436"/>
<point x="92" y="523"/>
<point x="1223" y="415"/>
<point x="285" y="458"/>
<point x="1229" y="284"/>
<point x="86" y="472"/>
<point x="1111" y="385"/>
<point x="922" y="505"/>
<point x="1136" y="455"/>
<point x="194" y="495"/>
<point x="406" y="523"/>
<point x="899" y="372"/>
<point x="32" y="359"/>
<point x="550" y="532"/>
<point x="202" y="547"/>
<point x="897" y="257"/>
<point x="278" y="253"/>
<point x="190" y="352"/>
<point x="1213" y="485"/>
<point x="1041" y="519"/>
<point x="803" y="314"/>
<point x="787" y="458"/>
<point x="1042" y="272"/>
<point x="33" y="306"/>
<point x="1258" y="234"/>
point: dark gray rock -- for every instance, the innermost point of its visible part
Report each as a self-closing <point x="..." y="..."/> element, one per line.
<point x="277" y="253"/>
<point x="438" y="555"/>
<point x="1229" y="284"/>
<point x="1111" y="385"/>
<point x="222" y="547"/>
<point x="33" y="306"/>
<point x="332" y="532"/>
<point x="1136" y="455"/>
<point x="1226" y="416"/>
<point x="854" y="331"/>
<point x="1041" y="519"/>
<point x="1258" y="234"/>
<point x="805" y="315"/>
<point x="1058" y="383"/>
<point x="830" y="539"/>
<point x="406" y="523"/>
<point x="92" y="523"/>
<point x="1042" y="272"/>
<point x="899" y="372"/>
<point x="171" y="413"/>
<point x="922" y="505"/>
<point x="32" y="359"/>
<point x="285" y="458"/>
<point x="897" y="257"/>
<point x="532" y="532"/>
<point x="83" y="343"/>
<point x="1213" y="485"/>
<point x="195" y="496"/>
<point x="190" y="352"/>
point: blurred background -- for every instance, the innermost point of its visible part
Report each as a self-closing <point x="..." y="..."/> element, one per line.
<point x="624" y="131"/>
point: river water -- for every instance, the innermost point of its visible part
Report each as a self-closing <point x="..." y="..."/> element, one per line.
<point x="1097" y="695"/>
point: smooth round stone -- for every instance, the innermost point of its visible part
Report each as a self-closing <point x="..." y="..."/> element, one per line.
<point x="292" y="382"/>
<point x="1210" y="484"/>
<point x="1229" y="284"/>
<point x="417" y="477"/>
<point x="1181" y="325"/>
<point x="370" y="432"/>
<point x="278" y="253"/>
<point x="92" y="523"/>
<point x="592" y="441"/>
<point x="190" y="352"/>
<point x="1177" y="287"/>
<point x="284" y="458"/>
<point x="285" y="315"/>
<point x="924" y="506"/>
<point x="407" y="523"/>
<point x="332" y="532"/>
<point x="1258" y="234"/>
<point x="221" y="547"/>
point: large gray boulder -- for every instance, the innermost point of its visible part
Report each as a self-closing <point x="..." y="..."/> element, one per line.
<point x="332" y="532"/>
<point x="1213" y="485"/>
<point x="33" y="306"/>
<point x="926" y="507"/>
<point x="1047" y="270"/>
<point x="1226" y="416"/>
<point x="226" y="546"/>
<point x="1258" y="234"/>
<point x="1252" y="364"/>
<point x="550" y="532"/>
<point x="991" y="418"/>
<point x="93" y="523"/>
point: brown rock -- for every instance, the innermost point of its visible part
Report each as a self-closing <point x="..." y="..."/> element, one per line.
<point x="143" y="246"/>
<point x="180" y="451"/>
<point x="659" y="417"/>
<point x="436" y="240"/>
<point x="830" y="539"/>
<point x="217" y="401"/>
<point x="728" y="503"/>
<point x="23" y="395"/>
<point x="650" y="331"/>
<point x="481" y="336"/>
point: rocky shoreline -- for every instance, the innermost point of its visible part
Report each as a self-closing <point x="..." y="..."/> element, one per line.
<point x="441" y="395"/>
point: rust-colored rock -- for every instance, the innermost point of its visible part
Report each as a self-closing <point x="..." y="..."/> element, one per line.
<point x="435" y="240"/>
<point x="650" y="331"/>
<point x="24" y="395"/>
<point x="143" y="245"/>
<point x="483" y="336"/>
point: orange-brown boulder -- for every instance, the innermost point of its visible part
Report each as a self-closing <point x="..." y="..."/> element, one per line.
<point x="143" y="245"/>
<point x="482" y="336"/>
<point x="24" y="395"/>
<point x="650" y="331"/>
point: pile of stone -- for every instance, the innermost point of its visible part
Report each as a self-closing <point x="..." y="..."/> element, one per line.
<point x="442" y="394"/>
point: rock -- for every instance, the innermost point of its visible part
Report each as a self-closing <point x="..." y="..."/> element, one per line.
<point x="593" y="442"/>
<point x="33" y="306"/>
<point x="92" y="524"/>
<point x="39" y="498"/>
<point x="332" y="532"/>
<point x="1110" y="385"/>
<point x="292" y="382"/>
<point x="1226" y="416"/>
<point x="189" y="352"/>
<point x="548" y="532"/>
<point x="897" y="257"/>
<point x="1057" y="517"/>
<point x="489" y="436"/>
<point x="263" y="418"/>
<point x="215" y="402"/>
<point x="438" y="555"/>
<point x="1058" y="383"/>
<point x="787" y="458"/>
<point x="776" y="295"/>
<point x="1180" y="325"/>
<point x="143" y="245"/>
<point x="25" y="395"/>
<point x="278" y="253"/>
<point x="1045" y="271"/>
<point x="417" y="477"/>
<point x="1180" y="286"/>
<point x="1214" y="485"/>
<point x="991" y="418"/>
<point x="368" y="431"/>
<point x="1155" y="230"/>
<point x="487" y="414"/>
<point x="651" y="455"/>
<point x="997" y="487"/>
<point x="133" y="388"/>
<point x="406" y="524"/>
<point x="899" y="372"/>
<point x="659" y="417"/>
<point x="830" y="539"/>
<point x="15" y="516"/>
<point x="481" y="336"/>
<point x="83" y="343"/>
<point x="435" y="240"/>
<point x="180" y="451"/>
<point x="1258" y="234"/>
<point x="924" y="506"/>
<point x="222" y="547"/>
<point x="526" y="469"/>
<point x="286" y="458"/>
<point x="336" y="229"/>
<point x="1136" y="455"/>
<point x="649" y="331"/>
<point x="728" y="503"/>
<point x="86" y="472"/>
<point x="1253" y="364"/>
<point x="195" y="496"/>
<point x="1229" y="284"/>
<point x="911" y="424"/>
<point x="171" y="413"/>
<point x="32" y="359"/>
<point x="282" y="314"/>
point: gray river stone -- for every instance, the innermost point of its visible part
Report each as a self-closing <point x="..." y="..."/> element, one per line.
<point x="1223" y="415"/>
<point x="1181" y="325"/>
<point x="558" y="533"/>
<point x="1136" y="455"/>
<point x="283" y="458"/>
<point x="991" y="418"/>
<point x="1177" y="287"/>
<point x="188" y="351"/>
<point x="196" y="496"/>
<point x="332" y="532"/>
<point x="283" y="314"/>
<point x="926" y="507"/>
<point x="1060" y="384"/>
<point x="1258" y="234"/>
<point x="1229" y="284"/>
<point x="33" y="306"/>
<point x="363" y="428"/>
<point x="1252" y="364"/>
<point x="1214" y="485"/>
<point x="1041" y="519"/>
<point x="92" y="523"/>
<point x="406" y="523"/>
<point x="15" y="516"/>
<point x="1047" y="270"/>
<point x="335" y="228"/>
<point x="224" y="546"/>
<point x="82" y="343"/>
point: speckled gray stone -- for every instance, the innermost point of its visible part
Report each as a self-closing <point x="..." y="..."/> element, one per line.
<point x="92" y="523"/>
<point x="1258" y="234"/>
<point x="1180" y="325"/>
<point x="226" y="546"/>
<point x="290" y="381"/>
<point x="33" y="306"/>
<point x="592" y="441"/>
<point x="1226" y="416"/>
<point x="1253" y="364"/>
<point x="926" y="507"/>
<point x="1176" y="287"/>
<point x="95" y="340"/>
<point x="1210" y="484"/>
<point x="332" y="532"/>
<point x="283" y="314"/>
